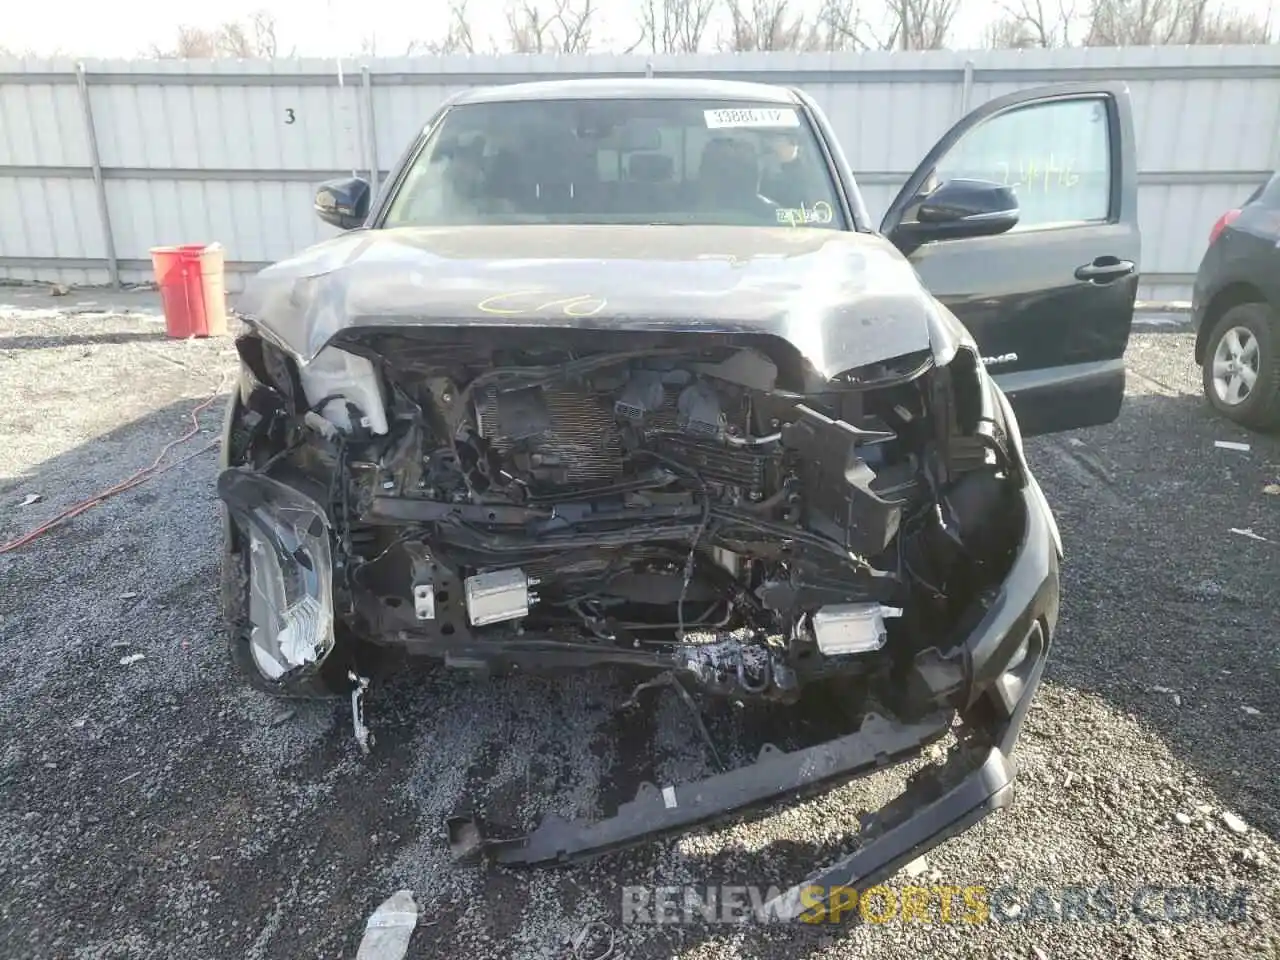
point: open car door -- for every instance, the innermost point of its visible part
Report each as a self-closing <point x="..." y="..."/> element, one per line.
<point x="1048" y="295"/>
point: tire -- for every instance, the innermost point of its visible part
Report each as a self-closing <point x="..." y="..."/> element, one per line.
<point x="327" y="683"/>
<point x="1257" y="328"/>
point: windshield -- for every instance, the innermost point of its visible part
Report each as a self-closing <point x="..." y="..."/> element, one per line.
<point x="620" y="161"/>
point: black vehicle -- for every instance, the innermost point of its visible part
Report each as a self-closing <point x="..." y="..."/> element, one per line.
<point x="1236" y="310"/>
<point x="574" y="390"/>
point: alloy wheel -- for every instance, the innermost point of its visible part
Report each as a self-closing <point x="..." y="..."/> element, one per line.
<point x="1235" y="366"/>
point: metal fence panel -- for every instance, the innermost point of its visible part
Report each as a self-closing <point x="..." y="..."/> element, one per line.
<point x="189" y="151"/>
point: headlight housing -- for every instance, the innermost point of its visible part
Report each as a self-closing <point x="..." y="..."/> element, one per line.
<point x="291" y="625"/>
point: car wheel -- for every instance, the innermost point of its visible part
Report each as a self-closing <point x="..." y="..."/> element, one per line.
<point x="1242" y="366"/>
<point x="329" y="681"/>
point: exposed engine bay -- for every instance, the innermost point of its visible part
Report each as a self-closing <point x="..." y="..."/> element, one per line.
<point x="672" y="503"/>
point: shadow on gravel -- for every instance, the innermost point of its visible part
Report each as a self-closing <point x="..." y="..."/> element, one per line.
<point x="36" y="342"/>
<point x="1165" y="324"/>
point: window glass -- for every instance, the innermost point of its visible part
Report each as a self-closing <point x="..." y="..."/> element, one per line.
<point x="1056" y="156"/>
<point x="620" y="161"/>
<point x="1268" y="193"/>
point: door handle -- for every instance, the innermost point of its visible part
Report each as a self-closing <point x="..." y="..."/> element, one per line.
<point x="1104" y="270"/>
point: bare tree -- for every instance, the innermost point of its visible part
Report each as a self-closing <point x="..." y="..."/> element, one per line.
<point x="457" y="38"/>
<point x="526" y="30"/>
<point x="1007" y="33"/>
<point x="674" y="26"/>
<point x="254" y="38"/>
<point x="1032" y="23"/>
<point x="764" y="25"/>
<point x="919" y="24"/>
<point x="558" y="26"/>
<point x="263" y="25"/>
<point x="192" y="43"/>
<point x="574" y="24"/>
<point x="839" y="25"/>
<point x="1115" y="23"/>
<point x="1225" y="26"/>
<point x="529" y="29"/>
<point x="44" y="53"/>
<point x="772" y="25"/>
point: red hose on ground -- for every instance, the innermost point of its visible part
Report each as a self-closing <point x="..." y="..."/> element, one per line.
<point x="136" y="479"/>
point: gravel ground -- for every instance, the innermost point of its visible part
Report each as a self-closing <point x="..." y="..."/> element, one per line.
<point x="155" y="808"/>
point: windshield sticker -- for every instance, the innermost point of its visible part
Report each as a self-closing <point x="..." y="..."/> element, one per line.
<point x="800" y="216"/>
<point x="753" y="117"/>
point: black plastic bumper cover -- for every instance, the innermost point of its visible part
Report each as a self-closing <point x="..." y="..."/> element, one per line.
<point x="927" y="813"/>
<point x="937" y="805"/>
<point x="656" y="812"/>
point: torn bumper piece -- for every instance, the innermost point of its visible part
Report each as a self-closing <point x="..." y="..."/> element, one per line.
<point x="290" y="571"/>
<point x="672" y="809"/>
<point x="935" y="807"/>
<point x="1002" y="661"/>
<point x="929" y="811"/>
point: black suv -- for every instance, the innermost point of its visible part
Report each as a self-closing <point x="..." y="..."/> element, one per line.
<point x="1236" y="306"/>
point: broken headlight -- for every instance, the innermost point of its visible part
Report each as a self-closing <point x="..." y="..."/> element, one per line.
<point x="290" y="571"/>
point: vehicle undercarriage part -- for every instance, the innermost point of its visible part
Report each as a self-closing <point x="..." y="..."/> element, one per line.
<point x="852" y="627"/>
<point x="937" y="804"/>
<point x="424" y="601"/>
<point x="934" y="807"/>
<point x="363" y="735"/>
<point x="655" y="812"/>
<point x="669" y="679"/>
<point x="674" y="507"/>
<point x="1005" y="644"/>
<point x="497" y="596"/>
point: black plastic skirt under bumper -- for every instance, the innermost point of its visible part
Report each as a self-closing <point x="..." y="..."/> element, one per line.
<point x="939" y="803"/>
<point x="927" y="813"/>
<point x="676" y="808"/>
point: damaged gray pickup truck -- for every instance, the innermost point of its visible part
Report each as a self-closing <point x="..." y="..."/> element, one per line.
<point x="620" y="372"/>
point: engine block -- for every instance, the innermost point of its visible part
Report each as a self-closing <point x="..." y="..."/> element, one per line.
<point x="575" y="436"/>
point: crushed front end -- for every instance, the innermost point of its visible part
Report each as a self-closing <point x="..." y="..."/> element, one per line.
<point x="694" y="504"/>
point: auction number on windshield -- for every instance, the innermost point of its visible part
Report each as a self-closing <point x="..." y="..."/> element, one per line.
<point x="747" y="117"/>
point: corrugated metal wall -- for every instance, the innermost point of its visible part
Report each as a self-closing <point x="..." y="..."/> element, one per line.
<point x="103" y="160"/>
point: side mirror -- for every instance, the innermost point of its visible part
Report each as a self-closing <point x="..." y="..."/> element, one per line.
<point x="961" y="208"/>
<point x="343" y="203"/>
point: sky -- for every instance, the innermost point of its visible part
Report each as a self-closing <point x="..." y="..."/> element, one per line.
<point x="129" y="28"/>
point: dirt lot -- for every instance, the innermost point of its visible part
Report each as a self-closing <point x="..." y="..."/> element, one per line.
<point x="154" y="808"/>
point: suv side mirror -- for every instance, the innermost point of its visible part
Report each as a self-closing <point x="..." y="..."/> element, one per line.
<point x="960" y="208"/>
<point x="343" y="203"/>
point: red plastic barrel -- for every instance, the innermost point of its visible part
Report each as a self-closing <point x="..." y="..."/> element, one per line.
<point x="192" y="289"/>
